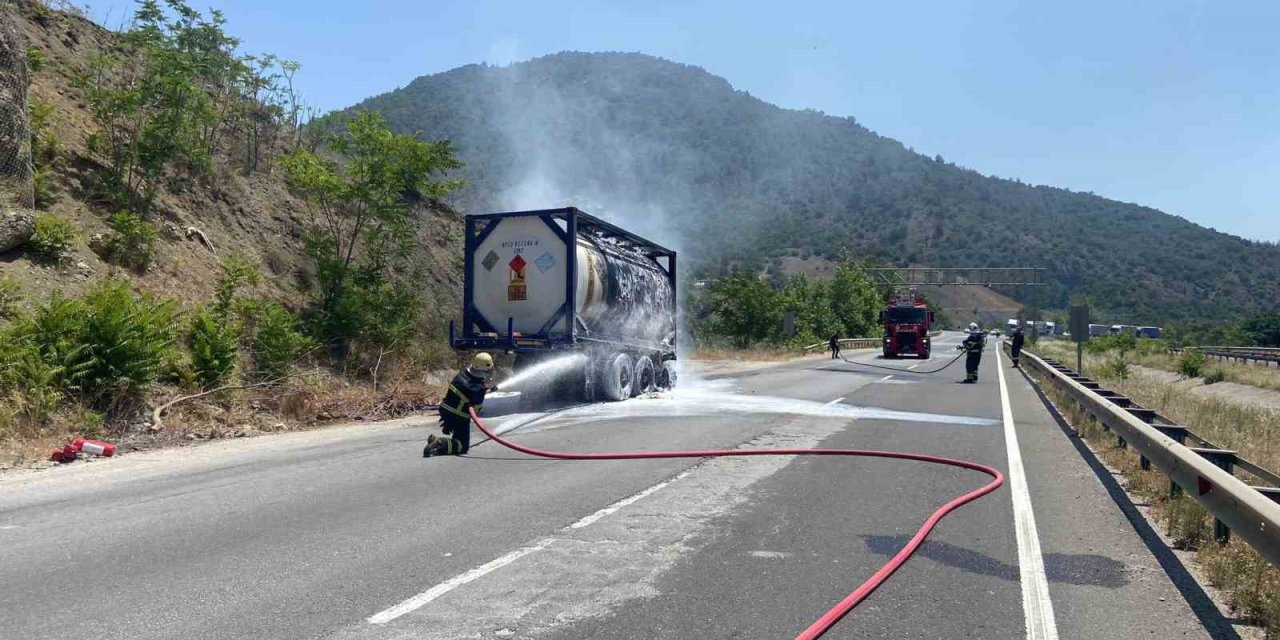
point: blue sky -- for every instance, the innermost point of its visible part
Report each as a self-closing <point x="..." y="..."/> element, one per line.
<point x="1170" y="104"/>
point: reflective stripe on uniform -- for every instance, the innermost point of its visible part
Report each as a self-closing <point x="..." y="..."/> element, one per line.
<point x="461" y="409"/>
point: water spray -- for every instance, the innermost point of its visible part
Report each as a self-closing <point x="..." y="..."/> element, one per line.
<point x="549" y="368"/>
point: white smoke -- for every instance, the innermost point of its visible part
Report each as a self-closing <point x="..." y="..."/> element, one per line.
<point x="560" y="140"/>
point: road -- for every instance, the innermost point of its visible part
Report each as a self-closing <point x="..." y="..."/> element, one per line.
<point x="348" y="533"/>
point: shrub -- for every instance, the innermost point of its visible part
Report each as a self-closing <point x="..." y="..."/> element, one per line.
<point x="131" y="243"/>
<point x="42" y="187"/>
<point x="1214" y="375"/>
<point x="34" y="384"/>
<point x="215" y="347"/>
<point x="35" y="59"/>
<point x="107" y="346"/>
<point x="53" y="238"/>
<point x="10" y="296"/>
<point x="1190" y="364"/>
<point x="278" y="343"/>
<point x="1118" y="368"/>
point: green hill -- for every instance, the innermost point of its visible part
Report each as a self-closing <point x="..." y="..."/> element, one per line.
<point x="675" y="152"/>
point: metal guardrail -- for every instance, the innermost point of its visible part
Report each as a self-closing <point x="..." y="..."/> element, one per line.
<point x="860" y="343"/>
<point x="1204" y="472"/>
<point x="850" y="343"/>
<point x="1265" y="355"/>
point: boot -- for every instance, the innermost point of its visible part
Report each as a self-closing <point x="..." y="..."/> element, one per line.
<point x="430" y="449"/>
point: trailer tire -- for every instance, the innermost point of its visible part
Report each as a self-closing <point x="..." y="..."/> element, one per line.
<point x="644" y="379"/>
<point x="616" y="378"/>
<point x="667" y="375"/>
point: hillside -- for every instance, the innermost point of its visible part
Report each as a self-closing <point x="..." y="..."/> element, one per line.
<point x="253" y="215"/>
<point x="679" y="154"/>
<point x="209" y="266"/>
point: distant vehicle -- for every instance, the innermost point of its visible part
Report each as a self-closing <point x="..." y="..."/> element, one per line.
<point x="1050" y="329"/>
<point x="995" y="332"/>
<point x="1010" y="325"/>
<point x="1098" y="330"/>
<point x="1150" y="332"/>
<point x="907" y="320"/>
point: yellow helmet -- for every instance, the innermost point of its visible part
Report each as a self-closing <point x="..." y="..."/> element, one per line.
<point x="482" y="363"/>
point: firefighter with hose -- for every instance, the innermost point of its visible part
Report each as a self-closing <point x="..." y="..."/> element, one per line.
<point x="467" y="390"/>
<point x="972" y="346"/>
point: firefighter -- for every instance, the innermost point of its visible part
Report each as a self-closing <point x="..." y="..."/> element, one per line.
<point x="1015" y="345"/>
<point x="466" y="391"/>
<point x="972" y="346"/>
<point x="834" y="344"/>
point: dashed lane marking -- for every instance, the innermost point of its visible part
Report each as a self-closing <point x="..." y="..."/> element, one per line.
<point x="418" y="601"/>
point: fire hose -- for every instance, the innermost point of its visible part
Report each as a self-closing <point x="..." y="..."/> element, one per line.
<point x="900" y="369"/>
<point x="842" y="608"/>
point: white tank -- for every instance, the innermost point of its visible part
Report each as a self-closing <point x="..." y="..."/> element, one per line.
<point x="520" y="273"/>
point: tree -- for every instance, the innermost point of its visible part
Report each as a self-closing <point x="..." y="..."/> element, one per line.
<point x="743" y="307"/>
<point x="854" y="300"/>
<point x="1263" y="329"/>
<point x="811" y="303"/>
<point x="360" y="225"/>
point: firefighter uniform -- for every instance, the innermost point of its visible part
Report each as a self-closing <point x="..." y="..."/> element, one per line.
<point x="973" y="345"/>
<point x="466" y="391"/>
<point x="1015" y="345"/>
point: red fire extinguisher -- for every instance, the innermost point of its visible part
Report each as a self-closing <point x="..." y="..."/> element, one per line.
<point x="94" y="447"/>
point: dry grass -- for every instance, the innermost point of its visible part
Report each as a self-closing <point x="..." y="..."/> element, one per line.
<point x="1254" y="375"/>
<point x="300" y="403"/>
<point x="1250" y="430"/>
<point x="1251" y="584"/>
<point x="753" y="354"/>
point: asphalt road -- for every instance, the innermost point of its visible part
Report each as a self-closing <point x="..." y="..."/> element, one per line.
<point x="349" y="533"/>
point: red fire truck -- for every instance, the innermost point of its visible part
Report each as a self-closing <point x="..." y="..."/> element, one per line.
<point x="907" y="320"/>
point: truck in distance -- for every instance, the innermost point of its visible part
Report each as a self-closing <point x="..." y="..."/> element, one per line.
<point x="907" y="321"/>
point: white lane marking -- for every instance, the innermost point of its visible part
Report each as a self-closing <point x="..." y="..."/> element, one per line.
<point x="418" y="601"/>
<point x="886" y="378"/>
<point x="834" y="402"/>
<point x="772" y="555"/>
<point x="6" y="527"/>
<point x="1036" y="605"/>
<point x="626" y="501"/>
<point x="453" y="583"/>
<point x="912" y="367"/>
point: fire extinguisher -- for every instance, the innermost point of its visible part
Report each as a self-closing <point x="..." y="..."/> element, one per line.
<point x="94" y="447"/>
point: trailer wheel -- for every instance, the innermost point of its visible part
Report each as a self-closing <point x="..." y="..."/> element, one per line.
<point x="644" y="380"/>
<point x="667" y="375"/>
<point x="616" y="377"/>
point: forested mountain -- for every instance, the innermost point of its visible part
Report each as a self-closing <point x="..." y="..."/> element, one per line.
<point x="729" y="179"/>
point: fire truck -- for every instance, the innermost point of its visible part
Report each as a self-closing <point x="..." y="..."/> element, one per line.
<point x="907" y="320"/>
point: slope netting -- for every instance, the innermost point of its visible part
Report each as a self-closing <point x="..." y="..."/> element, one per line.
<point x="16" y="191"/>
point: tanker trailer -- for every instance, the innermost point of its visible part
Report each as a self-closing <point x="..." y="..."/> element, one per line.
<point x="558" y="282"/>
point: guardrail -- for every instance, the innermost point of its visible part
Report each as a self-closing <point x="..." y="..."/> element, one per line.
<point x="860" y="343"/>
<point x="1265" y="355"/>
<point x="850" y="343"/>
<point x="1204" y="472"/>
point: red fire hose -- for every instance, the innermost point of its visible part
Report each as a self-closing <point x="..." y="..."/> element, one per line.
<point x="830" y="618"/>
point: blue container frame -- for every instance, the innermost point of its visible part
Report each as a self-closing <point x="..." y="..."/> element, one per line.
<point x="478" y="333"/>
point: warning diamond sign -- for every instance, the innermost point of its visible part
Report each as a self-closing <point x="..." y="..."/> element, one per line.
<point x="517" y="264"/>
